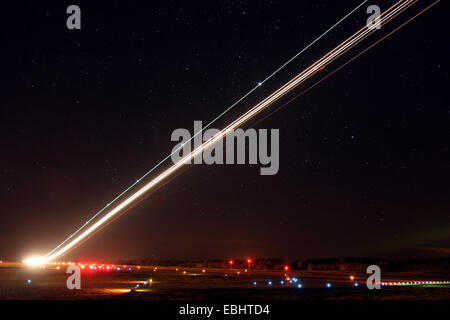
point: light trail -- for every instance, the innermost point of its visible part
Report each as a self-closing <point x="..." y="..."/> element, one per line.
<point x="316" y="67"/>
<point x="352" y="59"/>
<point x="209" y="124"/>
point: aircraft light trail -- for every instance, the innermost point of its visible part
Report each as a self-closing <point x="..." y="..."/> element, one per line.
<point x="209" y="124"/>
<point x="315" y="68"/>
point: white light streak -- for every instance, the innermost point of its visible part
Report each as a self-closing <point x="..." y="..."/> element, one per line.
<point x="300" y="78"/>
<point x="210" y="123"/>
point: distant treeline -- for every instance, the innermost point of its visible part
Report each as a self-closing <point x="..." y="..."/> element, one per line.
<point x="263" y="264"/>
<point x="360" y="264"/>
<point x="332" y="264"/>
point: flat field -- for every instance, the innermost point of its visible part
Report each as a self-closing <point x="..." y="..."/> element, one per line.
<point x="18" y="281"/>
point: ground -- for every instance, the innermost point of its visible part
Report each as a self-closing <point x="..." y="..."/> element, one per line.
<point x="168" y="283"/>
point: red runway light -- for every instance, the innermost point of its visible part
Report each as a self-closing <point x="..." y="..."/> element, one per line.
<point x="286" y="268"/>
<point x="231" y="262"/>
<point x="249" y="260"/>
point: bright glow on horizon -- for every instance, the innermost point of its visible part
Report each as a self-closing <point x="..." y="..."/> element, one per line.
<point x="35" y="261"/>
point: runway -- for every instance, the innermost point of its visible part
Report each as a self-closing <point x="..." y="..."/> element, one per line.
<point x="18" y="281"/>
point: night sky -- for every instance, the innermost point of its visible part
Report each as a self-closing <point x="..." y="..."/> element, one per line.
<point x="364" y="155"/>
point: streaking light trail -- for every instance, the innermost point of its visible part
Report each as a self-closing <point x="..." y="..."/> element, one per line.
<point x="315" y="68"/>
<point x="210" y="123"/>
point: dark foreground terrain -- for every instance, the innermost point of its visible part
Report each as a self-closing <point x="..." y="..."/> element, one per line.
<point x="146" y="282"/>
